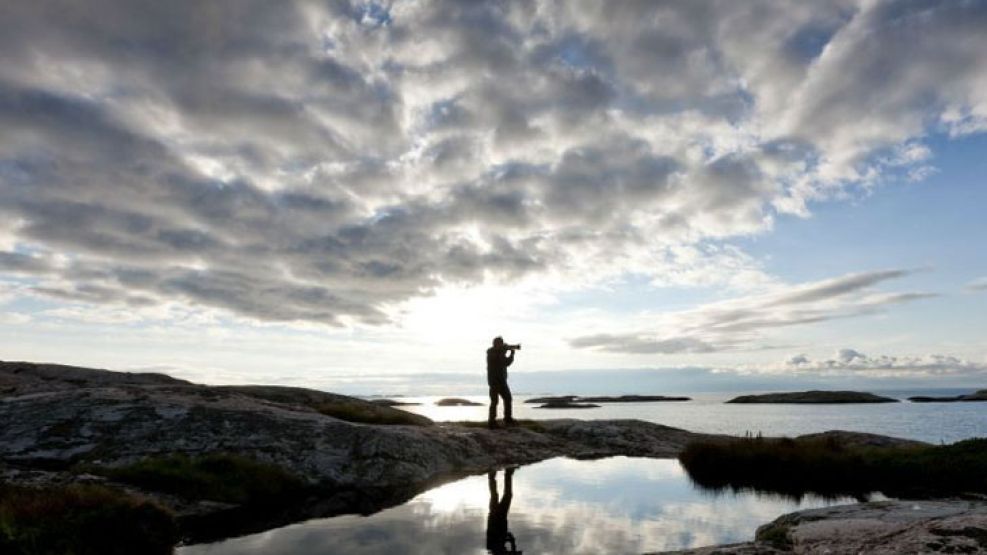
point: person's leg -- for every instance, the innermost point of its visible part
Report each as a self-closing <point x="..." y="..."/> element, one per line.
<point x="492" y="418"/>
<point x="505" y="392"/>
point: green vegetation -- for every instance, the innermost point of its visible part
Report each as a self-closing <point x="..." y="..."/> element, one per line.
<point x="338" y="406"/>
<point x="369" y="413"/>
<point x="217" y="477"/>
<point x="776" y="535"/>
<point x="82" y="520"/>
<point x="827" y="466"/>
<point x="532" y="425"/>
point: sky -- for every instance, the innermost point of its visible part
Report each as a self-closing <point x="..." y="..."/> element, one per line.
<point x="358" y="196"/>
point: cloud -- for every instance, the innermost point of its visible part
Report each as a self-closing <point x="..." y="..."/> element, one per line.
<point x="326" y="162"/>
<point x="741" y="322"/>
<point x="642" y="345"/>
<point x="850" y="361"/>
<point x="977" y="285"/>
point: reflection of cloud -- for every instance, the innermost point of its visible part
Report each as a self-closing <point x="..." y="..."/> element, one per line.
<point x="619" y="505"/>
<point x="738" y="322"/>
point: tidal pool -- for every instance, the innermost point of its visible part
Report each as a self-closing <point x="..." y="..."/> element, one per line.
<point x="613" y="505"/>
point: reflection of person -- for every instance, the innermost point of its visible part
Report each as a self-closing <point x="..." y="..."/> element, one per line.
<point x="499" y="357"/>
<point x="499" y="540"/>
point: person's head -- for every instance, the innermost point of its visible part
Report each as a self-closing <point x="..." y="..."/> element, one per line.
<point x="498" y="341"/>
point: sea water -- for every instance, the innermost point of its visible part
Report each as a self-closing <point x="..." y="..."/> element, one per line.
<point x="930" y="422"/>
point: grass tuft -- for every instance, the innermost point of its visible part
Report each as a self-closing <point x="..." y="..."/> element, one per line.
<point x="828" y="467"/>
<point x="218" y="477"/>
<point x="370" y="414"/>
<point x="82" y="520"/>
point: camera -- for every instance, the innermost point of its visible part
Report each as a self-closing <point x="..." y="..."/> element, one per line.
<point x="513" y="347"/>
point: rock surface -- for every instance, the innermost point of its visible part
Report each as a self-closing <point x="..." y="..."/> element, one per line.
<point x="978" y="396"/>
<point x="813" y="397"/>
<point x="56" y="416"/>
<point x="880" y="528"/>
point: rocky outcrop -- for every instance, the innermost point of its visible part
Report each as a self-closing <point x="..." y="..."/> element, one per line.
<point x="633" y="399"/>
<point x="603" y="399"/>
<point x="814" y="397"/>
<point x="567" y="405"/>
<point x="457" y="402"/>
<point x="57" y="419"/>
<point x="394" y="403"/>
<point x="978" y="396"/>
<point x="55" y="416"/>
<point x="552" y="399"/>
<point x="882" y="527"/>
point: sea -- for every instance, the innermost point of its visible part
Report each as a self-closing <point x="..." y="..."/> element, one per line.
<point x="613" y="505"/>
<point x="709" y="413"/>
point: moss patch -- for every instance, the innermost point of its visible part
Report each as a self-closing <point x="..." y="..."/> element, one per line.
<point x="82" y="520"/>
<point x="370" y="413"/>
<point x="218" y="477"/>
<point x="338" y="406"/>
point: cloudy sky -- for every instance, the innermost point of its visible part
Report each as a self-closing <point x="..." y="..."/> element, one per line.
<point x="345" y="193"/>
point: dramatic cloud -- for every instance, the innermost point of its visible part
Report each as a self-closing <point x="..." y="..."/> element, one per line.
<point x="741" y="322"/>
<point x="328" y="161"/>
<point x="849" y="361"/>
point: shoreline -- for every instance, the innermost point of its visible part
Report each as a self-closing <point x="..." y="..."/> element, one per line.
<point x="67" y="425"/>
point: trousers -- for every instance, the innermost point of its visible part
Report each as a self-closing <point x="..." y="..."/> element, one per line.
<point x="499" y="390"/>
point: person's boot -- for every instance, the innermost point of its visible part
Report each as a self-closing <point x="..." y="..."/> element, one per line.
<point x="492" y="424"/>
<point x="510" y="422"/>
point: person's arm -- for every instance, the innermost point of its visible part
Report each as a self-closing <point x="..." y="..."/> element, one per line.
<point x="509" y="359"/>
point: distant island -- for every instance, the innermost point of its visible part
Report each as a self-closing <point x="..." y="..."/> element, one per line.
<point x="393" y="403"/>
<point x="457" y="402"/>
<point x="978" y="396"/>
<point x="619" y="399"/>
<point x="814" y="397"/>
<point x="566" y="404"/>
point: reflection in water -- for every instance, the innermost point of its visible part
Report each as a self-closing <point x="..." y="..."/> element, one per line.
<point x="500" y="541"/>
<point x="615" y="505"/>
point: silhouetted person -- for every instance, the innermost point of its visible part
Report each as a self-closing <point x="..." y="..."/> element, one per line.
<point x="499" y="540"/>
<point x="499" y="357"/>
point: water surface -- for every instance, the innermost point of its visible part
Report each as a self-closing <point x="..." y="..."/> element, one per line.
<point x="931" y="422"/>
<point x="615" y="505"/>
